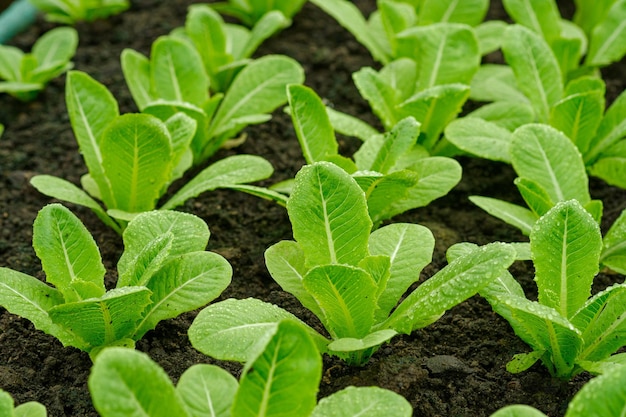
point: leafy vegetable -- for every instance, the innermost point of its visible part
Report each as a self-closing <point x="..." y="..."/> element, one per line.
<point x="598" y="35"/>
<point x="550" y="170"/>
<point x="567" y="329"/>
<point x="578" y="111"/>
<point x="225" y="48"/>
<point x="27" y="74"/>
<point x="603" y="396"/>
<point x="133" y="158"/>
<point x="29" y="409"/>
<point x="281" y="378"/>
<point x="72" y="11"/>
<point x="395" y="173"/>
<point x="174" y="81"/>
<point x="431" y="54"/>
<point x="394" y="94"/>
<point x="396" y="28"/>
<point x="250" y="12"/>
<point x="350" y="279"/>
<point x="163" y="272"/>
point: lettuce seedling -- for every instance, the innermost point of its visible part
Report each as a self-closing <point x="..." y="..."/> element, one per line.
<point x="133" y="158"/>
<point x="72" y="11"/>
<point x="567" y="329"/>
<point x="550" y="170"/>
<point x="163" y="272"/>
<point x="351" y="279"/>
<point x="578" y="112"/>
<point x="396" y="28"/>
<point x="396" y="174"/>
<point x="394" y="94"/>
<point x="281" y="378"/>
<point x="29" y="409"/>
<point x="250" y="12"/>
<point x="598" y="33"/>
<point x="603" y="396"/>
<point x="27" y="74"/>
<point x="429" y="60"/>
<point x="174" y="81"/>
<point x="226" y="48"/>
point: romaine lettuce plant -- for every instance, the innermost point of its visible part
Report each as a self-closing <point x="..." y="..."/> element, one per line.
<point x="72" y="11"/>
<point x="395" y="93"/>
<point x="133" y="158"/>
<point x="603" y="396"/>
<point x="598" y="33"/>
<point x="550" y="170"/>
<point x="174" y="81"/>
<point x="396" y="174"/>
<point x="29" y="409"/>
<point x="578" y="112"/>
<point x="567" y="329"/>
<point x="396" y="28"/>
<point x="250" y="12"/>
<point x="351" y="279"/>
<point x="281" y="378"/>
<point x="26" y="74"/>
<point x="225" y="48"/>
<point x="429" y="60"/>
<point x="163" y="272"/>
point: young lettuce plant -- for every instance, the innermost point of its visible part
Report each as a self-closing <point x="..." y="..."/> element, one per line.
<point x="396" y="174"/>
<point x="29" y="409"/>
<point x="174" y="81"/>
<point x="351" y="279"/>
<point x="390" y="32"/>
<point x="280" y="378"/>
<point x="250" y="12"/>
<point x="603" y="396"/>
<point x="550" y="170"/>
<point x="133" y="158"/>
<point x="163" y="272"/>
<point x="567" y="329"/>
<point x="532" y="87"/>
<point x="26" y="74"/>
<point x="597" y="37"/>
<point x="394" y="93"/>
<point x="72" y="11"/>
<point x="226" y="48"/>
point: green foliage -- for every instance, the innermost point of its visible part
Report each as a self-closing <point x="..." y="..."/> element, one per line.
<point x="603" y="396"/>
<point x="597" y="34"/>
<point x="72" y="11"/>
<point x="280" y="379"/>
<point x="27" y="74"/>
<point x="29" y="409"/>
<point x="133" y="158"/>
<point x="163" y="272"/>
<point x="551" y="170"/>
<point x="351" y="279"/>
<point x="226" y="48"/>
<point x="250" y="12"/>
<point x="393" y="94"/>
<point x="395" y="173"/>
<point x="567" y="329"/>
<point x="397" y="28"/>
<point x="429" y="62"/>
<point x="174" y="80"/>
<point x="577" y="110"/>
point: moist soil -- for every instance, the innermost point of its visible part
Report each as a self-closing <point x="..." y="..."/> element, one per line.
<point x="454" y="367"/>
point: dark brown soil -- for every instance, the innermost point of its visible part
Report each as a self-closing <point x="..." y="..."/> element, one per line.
<point x="455" y="367"/>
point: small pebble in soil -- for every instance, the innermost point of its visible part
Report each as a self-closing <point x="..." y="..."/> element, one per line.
<point x="446" y="363"/>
